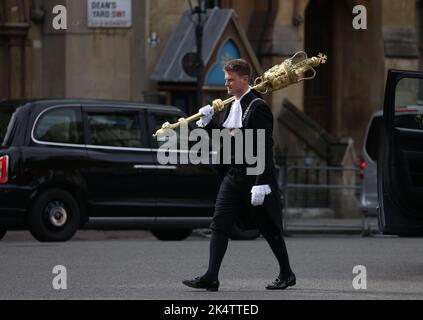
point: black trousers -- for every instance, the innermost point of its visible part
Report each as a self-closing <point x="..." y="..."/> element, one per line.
<point x="234" y="200"/>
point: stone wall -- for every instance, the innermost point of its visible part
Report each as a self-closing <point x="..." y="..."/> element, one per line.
<point x="117" y="63"/>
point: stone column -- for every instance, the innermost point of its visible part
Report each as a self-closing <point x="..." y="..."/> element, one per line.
<point x="13" y="33"/>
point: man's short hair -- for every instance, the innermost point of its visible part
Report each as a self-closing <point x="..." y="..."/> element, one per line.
<point x="239" y="66"/>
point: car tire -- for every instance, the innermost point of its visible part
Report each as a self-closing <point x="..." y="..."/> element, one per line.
<point x="238" y="233"/>
<point x="2" y="233"/>
<point x="54" y="216"/>
<point x="171" y="234"/>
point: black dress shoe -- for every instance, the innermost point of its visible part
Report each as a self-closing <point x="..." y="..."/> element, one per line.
<point x="279" y="284"/>
<point x="200" y="283"/>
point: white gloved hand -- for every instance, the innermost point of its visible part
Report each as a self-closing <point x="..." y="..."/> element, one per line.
<point x="208" y="113"/>
<point x="258" y="193"/>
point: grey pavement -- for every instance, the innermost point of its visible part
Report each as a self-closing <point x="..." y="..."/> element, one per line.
<point x="134" y="265"/>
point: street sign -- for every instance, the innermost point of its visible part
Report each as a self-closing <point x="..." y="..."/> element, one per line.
<point x="109" y="14"/>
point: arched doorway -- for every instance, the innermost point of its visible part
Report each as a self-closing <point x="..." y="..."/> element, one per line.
<point x="319" y="38"/>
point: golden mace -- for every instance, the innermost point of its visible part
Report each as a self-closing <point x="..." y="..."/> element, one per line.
<point x="277" y="77"/>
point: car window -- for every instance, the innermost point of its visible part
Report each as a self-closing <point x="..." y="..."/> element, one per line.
<point x="115" y="129"/>
<point x="409" y="92"/>
<point x="409" y="104"/>
<point x="60" y="125"/>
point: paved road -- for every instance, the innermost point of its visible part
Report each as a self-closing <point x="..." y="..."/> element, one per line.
<point x="134" y="265"/>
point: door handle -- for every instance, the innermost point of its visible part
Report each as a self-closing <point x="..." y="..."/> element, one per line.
<point x="140" y="166"/>
<point x="154" y="167"/>
<point x="166" y="167"/>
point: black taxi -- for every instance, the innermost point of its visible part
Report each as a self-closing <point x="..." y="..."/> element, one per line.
<point x="68" y="164"/>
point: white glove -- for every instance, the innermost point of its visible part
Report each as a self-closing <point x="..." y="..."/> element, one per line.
<point x="208" y="113"/>
<point x="258" y="193"/>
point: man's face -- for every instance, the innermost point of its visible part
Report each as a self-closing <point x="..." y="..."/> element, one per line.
<point x="235" y="84"/>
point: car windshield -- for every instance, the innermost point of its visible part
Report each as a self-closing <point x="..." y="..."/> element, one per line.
<point x="6" y="113"/>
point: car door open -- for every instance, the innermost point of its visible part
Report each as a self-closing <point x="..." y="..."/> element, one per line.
<point x="400" y="160"/>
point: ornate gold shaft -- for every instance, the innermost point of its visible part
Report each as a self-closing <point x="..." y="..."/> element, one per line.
<point x="276" y="78"/>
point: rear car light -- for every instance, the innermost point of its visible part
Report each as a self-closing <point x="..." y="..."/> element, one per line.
<point x="362" y="167"/>
<point x="4" y="168"/>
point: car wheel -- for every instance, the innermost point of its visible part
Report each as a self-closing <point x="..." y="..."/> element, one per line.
<point x="171" y="234"/>
<point x="238" y="233"/>
<point x="2" y="233"/>
<point x="54" y="216"/>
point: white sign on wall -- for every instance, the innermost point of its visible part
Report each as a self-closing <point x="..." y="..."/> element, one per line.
<point x="109" y="14"/>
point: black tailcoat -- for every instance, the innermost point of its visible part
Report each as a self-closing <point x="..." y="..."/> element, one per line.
<point x="259" y="116"/>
